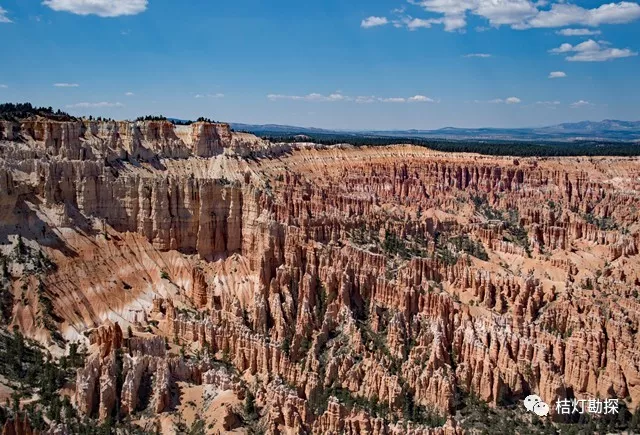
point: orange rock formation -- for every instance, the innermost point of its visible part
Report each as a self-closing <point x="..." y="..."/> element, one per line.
<point x="325" y="273"/>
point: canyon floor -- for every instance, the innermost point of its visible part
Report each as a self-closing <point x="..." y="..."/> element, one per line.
<point x="190" y="279"/>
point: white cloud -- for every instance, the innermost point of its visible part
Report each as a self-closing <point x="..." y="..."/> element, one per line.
<point x="453" y="11"/>
<point x="418" y="23"/>
<point x="365" y="99"/>
<point x="129" y="94"/>
<point x="581" y="103"/>
<point x="310" y="97"/>
<point x="592" y="51"/>
<point x="335" y="97"/>
<point x="373" y="22"/>
<point x="518" y="14"/>
<point x="66" y="85"/>
<point x="505" y="12"/>
<point x="393" y="100"/>
<point x="420" y="99"/>
<point x="480" y="55"/>
<point x="453" y="23"/>
<point x="3" y="16"/>
<point x="548" y="103"/>
<point x="509" y="100"/>
<point x="275" y="97"/>
<point x="101" y="104"/>
<point x="3" y="86"/>
<point x="602" y="55"/>
<point x="414" y="23"/>
<point x="557" y="74"/>
<point x="102" y="8"/>
<point x="209" y="95"/>
<point x="498" y="12"/>
<point x="414" y="99"/>
<point x="578" y="32"/>
<point x="564" y="48"/>
<point x="564" y="14"/>
<point x="450" y="23"/>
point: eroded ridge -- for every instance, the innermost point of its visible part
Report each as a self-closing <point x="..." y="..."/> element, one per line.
<point x="337" y="289"/>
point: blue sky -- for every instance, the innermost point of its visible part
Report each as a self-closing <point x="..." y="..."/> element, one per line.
<point x="375" y="64"/>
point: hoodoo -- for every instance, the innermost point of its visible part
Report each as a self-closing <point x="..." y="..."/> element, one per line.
<point x="202" y="275"/>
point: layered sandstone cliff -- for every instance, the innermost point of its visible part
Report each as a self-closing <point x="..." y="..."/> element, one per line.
<point x="139" y="140"/>
<point x="361" y="290"/>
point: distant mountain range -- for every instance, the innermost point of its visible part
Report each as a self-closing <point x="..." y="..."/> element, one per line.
<point x="607" y="130"/>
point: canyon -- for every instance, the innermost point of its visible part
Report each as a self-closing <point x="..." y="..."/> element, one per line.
<point x="214" y="278"/>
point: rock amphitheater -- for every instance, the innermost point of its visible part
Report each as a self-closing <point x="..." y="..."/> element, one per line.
<point x="329" y="289"/>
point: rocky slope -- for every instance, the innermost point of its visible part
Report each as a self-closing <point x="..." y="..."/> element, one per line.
<point x="329" y="289"/>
